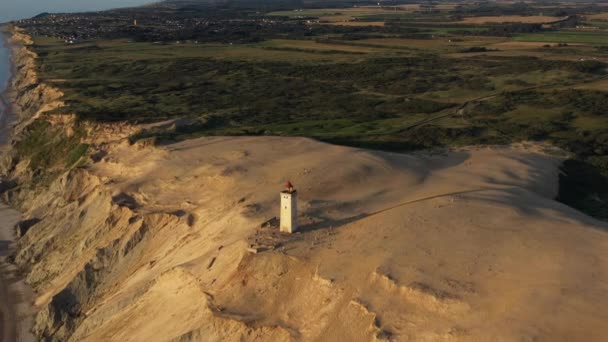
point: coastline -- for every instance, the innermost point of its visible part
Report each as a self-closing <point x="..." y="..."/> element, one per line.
<point x="16" y="300"/>
<point x="6" y="113"/>
<point x="4" y="109"/>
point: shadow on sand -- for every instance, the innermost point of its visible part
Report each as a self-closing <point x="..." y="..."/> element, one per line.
<point x="331" y="223"/>
<point x="4" y="248"/>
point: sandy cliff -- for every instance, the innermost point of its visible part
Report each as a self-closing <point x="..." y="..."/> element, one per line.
<point x="27" y="93"/>
<point x="149" y="243"/>
<point x="28" y="97"/>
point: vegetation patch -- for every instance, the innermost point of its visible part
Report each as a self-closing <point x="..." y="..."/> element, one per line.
<point x="567" y="36"/>
<point x="49" y="150"/>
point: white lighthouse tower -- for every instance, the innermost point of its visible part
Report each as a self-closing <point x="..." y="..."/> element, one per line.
<point x="289" y="209"/>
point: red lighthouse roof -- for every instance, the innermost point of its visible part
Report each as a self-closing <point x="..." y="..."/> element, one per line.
<point x="288" y="185"/>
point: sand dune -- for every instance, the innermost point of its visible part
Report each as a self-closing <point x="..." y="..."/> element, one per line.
<point x="462" y="245"/>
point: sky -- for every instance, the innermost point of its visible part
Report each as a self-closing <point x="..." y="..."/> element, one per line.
<point x="20" y="9"/>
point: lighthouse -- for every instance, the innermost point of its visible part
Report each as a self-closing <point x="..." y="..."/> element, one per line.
<point x="289" y="209"/>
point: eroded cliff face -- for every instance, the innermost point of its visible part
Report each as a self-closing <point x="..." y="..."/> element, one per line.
<point x="28" y="98"/>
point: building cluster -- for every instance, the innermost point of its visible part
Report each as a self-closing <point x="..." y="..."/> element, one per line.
<point x="73" y="27"/>
<point x="139" y="25"/>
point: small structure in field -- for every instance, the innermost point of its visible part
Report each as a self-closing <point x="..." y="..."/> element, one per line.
<point x="289" y="198"/>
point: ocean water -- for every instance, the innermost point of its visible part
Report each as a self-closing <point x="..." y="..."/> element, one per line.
<point x="4" y="63"/>
<point x="4" y="77"/>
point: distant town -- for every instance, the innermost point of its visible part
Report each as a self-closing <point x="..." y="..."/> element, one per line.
<point x="158" y="24"/>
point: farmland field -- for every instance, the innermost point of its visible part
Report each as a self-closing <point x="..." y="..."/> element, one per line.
<point x="341" y="14"/>
<point x="533" y="19"/>
<point x="358" y="23"/>
<point x="600" y="16"/>
<point x="567" y="36"/>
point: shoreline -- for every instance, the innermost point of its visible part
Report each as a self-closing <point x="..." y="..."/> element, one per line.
<point x="6" y="113"/>
<point x="16" y="301"/>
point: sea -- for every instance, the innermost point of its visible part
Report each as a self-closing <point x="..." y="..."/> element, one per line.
<point x="5" y="68"/>
<point x="23" y="9"/>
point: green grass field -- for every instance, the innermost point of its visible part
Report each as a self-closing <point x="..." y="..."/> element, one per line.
<point x="600" y="24"/>
<point x="567" y="36"/>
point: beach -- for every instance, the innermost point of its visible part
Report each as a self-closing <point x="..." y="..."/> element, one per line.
<point x="4" y="77"/>
<point x="16" y="311"/>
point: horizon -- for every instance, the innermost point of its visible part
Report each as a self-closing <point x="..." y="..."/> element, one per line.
<point x="29" y="8"/>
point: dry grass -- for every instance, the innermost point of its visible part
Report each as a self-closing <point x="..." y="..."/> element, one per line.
<point x="601" y="85"/>
<point x="547" y="54"/>
<point x="351" y="11"/>
<point x="432" y="44"/>
<point x="337" y="19"/>
<point x="315" y="46"/>
<point x="590" y="123"/>
<point x="416" y="7"/>
<point x="346" y="14"/>
<point x="533" y="19"/>
<point x="600" y="16"/>
<point x="357" y="23"/>
<point x="410" y="7"/>
<point x="514" y="45"/>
